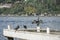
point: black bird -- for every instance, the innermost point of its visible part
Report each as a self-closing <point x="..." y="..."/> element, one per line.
<point x="25" y="27"/>
<point x="17" y="28"/>
<point x="35" y="21"/>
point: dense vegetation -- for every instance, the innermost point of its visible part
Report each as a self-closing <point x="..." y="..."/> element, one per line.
<point x="30" y="7"/>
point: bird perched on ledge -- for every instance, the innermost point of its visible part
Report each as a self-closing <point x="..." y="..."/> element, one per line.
<point x="25" y="27"/>
<point x="16" y="28"/>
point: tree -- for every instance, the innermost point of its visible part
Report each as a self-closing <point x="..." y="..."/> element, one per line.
<point x="30" y="9"/>
<point x="17" y="8"/>
<point x="1" y="1"/>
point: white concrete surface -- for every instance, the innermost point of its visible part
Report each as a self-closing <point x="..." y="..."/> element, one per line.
<point x="30" y="35"/>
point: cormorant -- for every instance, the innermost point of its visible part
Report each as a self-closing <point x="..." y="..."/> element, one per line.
<point x="17" y="28"/>
<point x="25" y="27"/>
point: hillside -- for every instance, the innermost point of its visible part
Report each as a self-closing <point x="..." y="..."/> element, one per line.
<point x="29" y="7"/>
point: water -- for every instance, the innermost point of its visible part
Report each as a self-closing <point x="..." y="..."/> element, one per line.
<point x="51" y="22"/>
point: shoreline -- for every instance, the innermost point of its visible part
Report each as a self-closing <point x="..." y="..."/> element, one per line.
<point x="25" y="16"/>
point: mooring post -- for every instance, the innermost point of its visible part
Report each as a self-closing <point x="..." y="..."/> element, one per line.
<point x="48" y="30"/>
<point x="9" y="27"/>
<point x="38" y="29"/>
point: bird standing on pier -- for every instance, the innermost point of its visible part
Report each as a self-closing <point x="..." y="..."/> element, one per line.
<point x="25" y="27"/>
<point x="16" y="28"/>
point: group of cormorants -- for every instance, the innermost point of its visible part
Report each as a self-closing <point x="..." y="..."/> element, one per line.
<point x="35" y="21"/>
<point x="25" y="27"/>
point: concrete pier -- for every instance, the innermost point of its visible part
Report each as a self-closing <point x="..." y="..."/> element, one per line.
<point x="30" y="35"/>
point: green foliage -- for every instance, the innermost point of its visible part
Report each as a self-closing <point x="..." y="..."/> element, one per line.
<point x="7" y="1"/>
<point x="30" y="9"/>
<point x="1" y="1"/>
<point x="30" y="6"/>
<point x="17" y="8"/>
